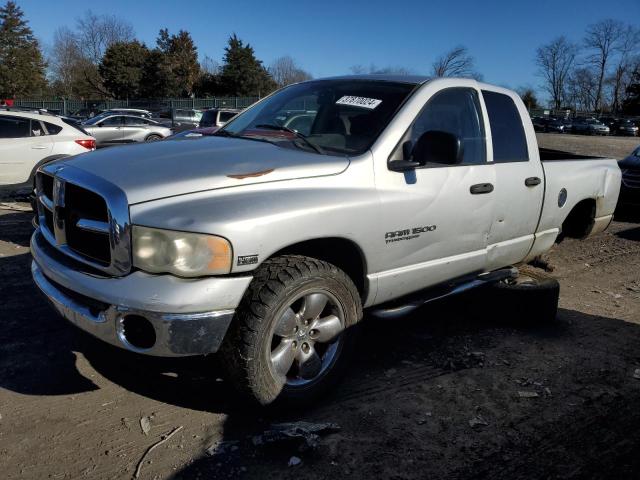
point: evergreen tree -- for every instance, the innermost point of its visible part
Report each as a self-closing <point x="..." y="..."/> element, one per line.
<point x="122" y="68"/>
<point x="183" y="56"/>
<point x="242" y="73"/>
<point x="158" y="80"/>
<point x="175" y="68"/>
<point x="22" y="67"/>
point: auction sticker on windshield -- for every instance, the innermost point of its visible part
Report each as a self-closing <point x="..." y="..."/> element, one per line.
<point x="368" y="103"/>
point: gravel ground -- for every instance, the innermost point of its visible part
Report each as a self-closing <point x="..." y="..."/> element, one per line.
<point x="611" y="147"/>
<point x="450" y="392"/>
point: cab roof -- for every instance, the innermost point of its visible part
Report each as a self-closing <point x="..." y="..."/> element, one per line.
<point x="410" y="79"/>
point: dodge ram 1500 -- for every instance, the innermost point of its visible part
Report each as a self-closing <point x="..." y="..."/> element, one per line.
<point x="266" y="242"/>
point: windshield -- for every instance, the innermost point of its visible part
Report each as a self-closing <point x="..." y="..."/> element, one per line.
<point x="340" y="116"/>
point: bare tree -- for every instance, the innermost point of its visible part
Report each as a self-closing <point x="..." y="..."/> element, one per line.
<point x="285" y="71"/>
<point x="75" y="55"/>
<point x="96" y="33"/>
<point x="582" y="89"/>
<point x="457" y="62"/>
<point x="555" y="61"/>
<point x="63" y="58"/>
<point x="209" y="66"/>
<point x="603" y="39"/>
<point x="627" y="50"/>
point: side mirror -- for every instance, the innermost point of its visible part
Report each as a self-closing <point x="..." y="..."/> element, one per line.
<point x="438" y="147"/>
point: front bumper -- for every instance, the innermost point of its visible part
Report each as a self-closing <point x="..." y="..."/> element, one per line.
<point x="188" y="316"/>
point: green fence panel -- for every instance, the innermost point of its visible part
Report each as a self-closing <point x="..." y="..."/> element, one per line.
<point x="71" y="106"/>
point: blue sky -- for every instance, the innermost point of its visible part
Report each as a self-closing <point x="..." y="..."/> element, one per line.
<point x="326" y="37"/>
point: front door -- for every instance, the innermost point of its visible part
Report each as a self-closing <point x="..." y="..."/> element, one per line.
<point x="109" y="130"/>
<point x="437" y="217"/>
<point x="135" y="129"/>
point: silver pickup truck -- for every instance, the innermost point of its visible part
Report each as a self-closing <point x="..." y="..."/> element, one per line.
<point x="266" y="242"/>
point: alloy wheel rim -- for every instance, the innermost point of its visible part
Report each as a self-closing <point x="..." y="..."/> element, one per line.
<point x="306" y="338"/>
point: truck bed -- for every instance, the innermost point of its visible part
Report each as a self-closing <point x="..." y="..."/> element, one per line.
<point x="549" y="155"/>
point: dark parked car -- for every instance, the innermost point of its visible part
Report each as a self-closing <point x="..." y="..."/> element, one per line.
<point x="590" y="126"/>
<point x="630" y="188"/>
<point x="180" y="119"/>
<point x="217" y="117"/>
<point x="624" y="127"/>
<point x="548" y="124"/>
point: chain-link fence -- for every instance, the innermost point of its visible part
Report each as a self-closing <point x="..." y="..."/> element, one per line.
<point x="70" y="107"/>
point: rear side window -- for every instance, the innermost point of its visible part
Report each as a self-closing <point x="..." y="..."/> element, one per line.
<point x="14" y="127"/>
<point x="134" y="121"/>
<point x="509" y="141"/>
<point x="226" y="116"/>
<point x="52" y="129"/>
<point x="208" y="118"/>
<point x="36" y="129"/>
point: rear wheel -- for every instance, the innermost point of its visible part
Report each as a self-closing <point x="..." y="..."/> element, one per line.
<point x="293" y="331"/>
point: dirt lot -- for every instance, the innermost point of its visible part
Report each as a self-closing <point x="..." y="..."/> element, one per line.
<point x="450" y="392"/>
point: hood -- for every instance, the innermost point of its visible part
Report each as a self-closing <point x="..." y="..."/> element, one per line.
<point x="154" y="170"/>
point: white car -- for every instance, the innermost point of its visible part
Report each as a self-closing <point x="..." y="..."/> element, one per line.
<point x="29" y="139"/>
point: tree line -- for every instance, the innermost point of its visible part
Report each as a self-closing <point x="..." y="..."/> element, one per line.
<point x="600" y="73"/>
<point x="101" y="58"/>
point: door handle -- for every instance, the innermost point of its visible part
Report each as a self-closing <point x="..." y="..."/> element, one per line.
<point x="481" y="188"/>
<point x="532" y="181"/>
<point x="39" y="147"/>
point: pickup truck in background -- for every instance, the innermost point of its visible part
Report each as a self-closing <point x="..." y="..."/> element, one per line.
<point x="267" y="244"/>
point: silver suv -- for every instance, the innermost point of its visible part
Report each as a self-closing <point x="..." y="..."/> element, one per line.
<point x="116" y="129"/>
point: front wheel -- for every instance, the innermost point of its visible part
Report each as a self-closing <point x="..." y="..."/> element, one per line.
<point x="153" y="138"/>
<point x="293" y="331"/>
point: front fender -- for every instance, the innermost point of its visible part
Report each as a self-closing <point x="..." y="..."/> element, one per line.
<point x="262" y="219"/>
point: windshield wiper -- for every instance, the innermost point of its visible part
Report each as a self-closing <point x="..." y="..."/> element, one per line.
<point x="299" y="135"/>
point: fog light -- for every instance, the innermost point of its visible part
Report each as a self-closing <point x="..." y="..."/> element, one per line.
<point x="137" y="332"/>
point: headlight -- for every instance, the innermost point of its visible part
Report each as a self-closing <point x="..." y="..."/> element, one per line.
<point x="180" y="253"/>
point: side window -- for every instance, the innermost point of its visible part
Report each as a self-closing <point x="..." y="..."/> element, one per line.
<point x="226" y="116"/>
<point x="134" y="121"/>
<point x="52" y="129"/>
<point x="36" y="129"/>
<point x="14" y="127"/>
<point x="112" y="122"/>
<point x="456" y="111"/>
<point x="507" y="132"/>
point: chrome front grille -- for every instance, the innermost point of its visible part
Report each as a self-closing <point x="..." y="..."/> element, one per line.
<point x="631" y="178"/>
<point x="85" y="217"/>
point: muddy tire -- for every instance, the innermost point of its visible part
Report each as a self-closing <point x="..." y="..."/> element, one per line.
<point x="530" y="298"/>
<point x="293" y="331"/>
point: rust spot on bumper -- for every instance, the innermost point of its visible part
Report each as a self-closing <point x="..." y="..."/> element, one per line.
<point x="240" y="176"/>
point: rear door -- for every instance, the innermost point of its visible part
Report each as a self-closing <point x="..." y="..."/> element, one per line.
<point x="135" y="129"/>
<point x="23" y="143"/>
<point x="519" y="180"/>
